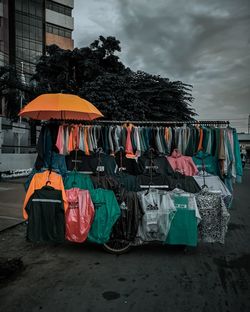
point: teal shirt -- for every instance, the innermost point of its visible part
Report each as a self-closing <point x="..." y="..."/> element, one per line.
<point x="107" y="211"/>
<point x="238" y="161"/>
<point x="76" y="179"/>
<point x="183" y="230"/>
<point x="208" y="160"/>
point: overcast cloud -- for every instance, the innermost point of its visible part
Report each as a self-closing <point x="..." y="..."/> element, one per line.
<point x="203" y="43"/>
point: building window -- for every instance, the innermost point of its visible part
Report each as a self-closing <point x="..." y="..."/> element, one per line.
<point x="58" y="8"/>
<point x="29" y="33"/>
<point x="57" y="30"/>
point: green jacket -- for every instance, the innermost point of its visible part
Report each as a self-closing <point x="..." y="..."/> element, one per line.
<point x="107" y="211"/>
<point x="76" y="179"/>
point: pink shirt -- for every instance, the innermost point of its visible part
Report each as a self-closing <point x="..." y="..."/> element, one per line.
<point x="79" y="216"/>
<point x="60" y="140"/>
<point x="183" y="164"/>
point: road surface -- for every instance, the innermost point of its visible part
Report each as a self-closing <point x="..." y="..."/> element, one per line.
<point x="71" y="277"/>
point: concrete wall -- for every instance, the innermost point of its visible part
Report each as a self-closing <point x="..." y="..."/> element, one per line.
<point x="69" y="3"/>
<point x="9" y="135"/>
<point x="16" y="161"/>
<point x="59" y="19"/>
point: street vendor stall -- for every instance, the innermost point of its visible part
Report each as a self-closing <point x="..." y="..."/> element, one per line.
<point x="124" y="183"/>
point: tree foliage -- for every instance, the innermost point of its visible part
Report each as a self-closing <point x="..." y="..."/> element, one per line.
<point x="97" y="74"/>
<point x="11" y="90"/>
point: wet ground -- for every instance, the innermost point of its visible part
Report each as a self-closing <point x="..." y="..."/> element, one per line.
<point x="71" y="277"/>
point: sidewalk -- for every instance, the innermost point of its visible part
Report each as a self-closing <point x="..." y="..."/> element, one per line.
<point x="11" y="199"/>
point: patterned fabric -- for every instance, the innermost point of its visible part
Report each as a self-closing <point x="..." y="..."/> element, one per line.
<point x="214" y="183"/>
<point x="214" y="217"/>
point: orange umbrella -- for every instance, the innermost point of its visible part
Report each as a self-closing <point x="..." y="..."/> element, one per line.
<point x="60" y="106"/>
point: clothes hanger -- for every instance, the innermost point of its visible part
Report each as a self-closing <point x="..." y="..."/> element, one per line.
<point x="204" y="186"/>
<point x="75" y="169"/>
<point x="48" y="180"/>
<point x="99" y="167"/>
<point x="149" y="188"/>
<point x="121" y="168"/>
<point x="178" y="183"/>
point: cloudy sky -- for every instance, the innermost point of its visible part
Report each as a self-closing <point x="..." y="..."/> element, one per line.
<point x="203" y="43"/>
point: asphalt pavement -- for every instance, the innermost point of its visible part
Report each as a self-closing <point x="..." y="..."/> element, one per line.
<point x="83" y="277"/>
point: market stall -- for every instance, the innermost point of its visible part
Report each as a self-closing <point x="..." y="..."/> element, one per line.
<point x="123" y="183"/>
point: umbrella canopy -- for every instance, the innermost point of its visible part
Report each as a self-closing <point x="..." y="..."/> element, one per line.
<point x="60" y="106"/>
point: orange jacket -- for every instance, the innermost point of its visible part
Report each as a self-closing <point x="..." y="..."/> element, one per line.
<point x="200" y="139"/>
<point x="129" y="147"/>
<point x="38" y="181"/>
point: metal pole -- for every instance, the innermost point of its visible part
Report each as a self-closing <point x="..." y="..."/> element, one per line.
<point x="19" y="135"/>
<point x="21" y="100"/>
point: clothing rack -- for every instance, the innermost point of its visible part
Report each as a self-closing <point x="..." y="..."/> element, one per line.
<point x="138" y="122"/>
<point x="193" y="122"/>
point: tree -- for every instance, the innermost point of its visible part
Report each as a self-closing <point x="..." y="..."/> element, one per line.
<point x="11" y="89"/>
<point x="97" y="74"/>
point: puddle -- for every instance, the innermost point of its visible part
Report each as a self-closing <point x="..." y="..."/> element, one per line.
<point x="111" y="295"/>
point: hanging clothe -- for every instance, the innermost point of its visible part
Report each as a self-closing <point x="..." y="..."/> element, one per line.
<point x="238" y="162"/>
<point x="127" y="181"/>
<point x="107" y="211"/>
<point x="79" y="180"/>
<point x="60" y="142"/>
<point x="207" y="162"/>
<point x="57" y="163"/>
<point x="158" y="214"/>
<point x="91" y="162"/>
<point x="183" y="230"/>
<point x="126" y="226"/>
<point x="129" y="147"/>
<point x="38" y="181"/>
<point x="186" y="183"/>
<point x="160" y="163"/>
<point x="182" y="164"/>
<point x="79" y="216"/>
<point x="214" y="183"/>
<point x="214" y="217"/>
<point x="45" y="211"/>
<point x="128" y="165"/>
<point x="154" y="179"/>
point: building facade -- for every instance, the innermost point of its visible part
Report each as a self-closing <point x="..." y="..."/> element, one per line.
<point x="27" y="26"/>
